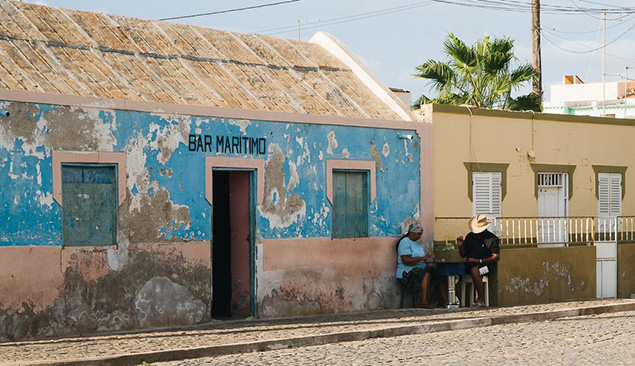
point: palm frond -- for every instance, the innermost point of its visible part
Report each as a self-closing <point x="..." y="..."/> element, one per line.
<point x="523" y="73"/>
<point x="462" y="56"/>
<point x="480" y="74"/>
<point x="440" y="74"/>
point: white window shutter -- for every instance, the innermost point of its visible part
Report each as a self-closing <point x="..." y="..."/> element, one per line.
<point x="609" y="194"/>
<point x="487" y="193"/>
<point x="603" y="194"/>
<point x="616" y="194"/>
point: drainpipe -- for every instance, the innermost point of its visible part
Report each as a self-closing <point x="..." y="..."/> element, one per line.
<point x="4" y="113"/>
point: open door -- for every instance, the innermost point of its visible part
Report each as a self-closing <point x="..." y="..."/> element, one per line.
<point x="232" y="245"/>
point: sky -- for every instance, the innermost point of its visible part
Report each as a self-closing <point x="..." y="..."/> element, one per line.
<point x="394" y="36"/>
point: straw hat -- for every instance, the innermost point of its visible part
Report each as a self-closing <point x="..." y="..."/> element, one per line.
<point x="478" y="224"/>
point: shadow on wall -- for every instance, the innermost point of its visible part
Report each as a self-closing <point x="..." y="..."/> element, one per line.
<point x="152" y="290"/>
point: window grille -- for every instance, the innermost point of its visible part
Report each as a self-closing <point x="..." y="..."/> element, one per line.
<point x="550" y="180"/>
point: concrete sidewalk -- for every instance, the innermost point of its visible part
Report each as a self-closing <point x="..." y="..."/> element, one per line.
<point x="221" y="338"/>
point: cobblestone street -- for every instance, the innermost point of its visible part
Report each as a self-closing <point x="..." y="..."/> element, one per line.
<point x="607" y="339"/>
<point x="555" y="333"/>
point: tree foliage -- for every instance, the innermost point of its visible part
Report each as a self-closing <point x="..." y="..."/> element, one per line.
<point x="479" y="75"/>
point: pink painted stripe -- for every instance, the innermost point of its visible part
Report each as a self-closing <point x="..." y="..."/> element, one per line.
<point x="150" y="107"/>
<point x="352" y="256"/>
<point x="364" y="165"/>
<point x="239" y="163"/>
<point x="60" y="157"/>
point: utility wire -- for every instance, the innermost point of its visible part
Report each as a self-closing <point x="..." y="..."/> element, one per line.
<point x="525" y="7"/>
<point x="596" y="17"/>
<point x="591" y="31"/>
<point x="597" y="48"/>
<point x="346" y="19"/>
<point x="553" y="43"/>
<point x="570" y="51"/>
<point x="603" y="4"/>
<point x="231" y="10"/>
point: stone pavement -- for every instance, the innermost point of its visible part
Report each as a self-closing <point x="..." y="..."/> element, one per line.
<point x="604" y="339"/>
<point x="232" y="337"/>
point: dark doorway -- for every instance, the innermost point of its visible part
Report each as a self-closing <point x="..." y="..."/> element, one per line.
<point x="231" y="244"/>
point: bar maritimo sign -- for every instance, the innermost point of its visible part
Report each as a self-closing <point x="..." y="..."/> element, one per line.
<point x="228" y="144"/>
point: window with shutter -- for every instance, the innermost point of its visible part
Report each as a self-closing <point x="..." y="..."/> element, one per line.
<point x="350" y="204"/>
<point x="609" y="204"/>
<point x="609" y="194"/>
<point x="89" y="214"/>
<point x="487" y="193"/>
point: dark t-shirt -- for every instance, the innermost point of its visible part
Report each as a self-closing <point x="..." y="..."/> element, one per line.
<point x="482" y="245"/>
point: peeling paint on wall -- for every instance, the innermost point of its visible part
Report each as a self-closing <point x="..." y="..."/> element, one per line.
<point x="114" y="301"/>
<point x="162" y="302"/>
<point x="118" y="257"/>
<point x="375" y="154"/>
<point x="550" y="270"/>
<point x="242" y="123"/>
<point x="280" y="207"/>
<point x="167" y="138"/>
<point x="386" y="150"/>
<point x="332" y="143"/>
<point x="76" y="129"/>
<point x="319" y="291"/>
<point x="156" y="215"/>
<point x="165" y="205"/>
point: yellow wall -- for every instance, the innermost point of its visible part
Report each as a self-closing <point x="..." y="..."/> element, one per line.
<point x="625" y="272"/>
<point x="533" y="276"/>
<point x="506" y="137"/>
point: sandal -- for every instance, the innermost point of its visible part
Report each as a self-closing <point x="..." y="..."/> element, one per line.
<point x="426" y="306"/>
<point x="478" y="305"/>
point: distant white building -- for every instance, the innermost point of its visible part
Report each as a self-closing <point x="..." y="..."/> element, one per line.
<point x="575" y="97"/>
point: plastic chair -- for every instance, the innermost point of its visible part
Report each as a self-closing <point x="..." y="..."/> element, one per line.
<point x="468" y="279"/>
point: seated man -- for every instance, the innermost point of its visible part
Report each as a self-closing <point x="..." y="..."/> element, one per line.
<point x="411" y="264"/>
<point x="482" y="249"/>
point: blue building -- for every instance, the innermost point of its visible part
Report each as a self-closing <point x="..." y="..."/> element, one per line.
<point x="156" y="174"/>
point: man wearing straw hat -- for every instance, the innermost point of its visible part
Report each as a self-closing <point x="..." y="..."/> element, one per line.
<point x="482" y="249"/>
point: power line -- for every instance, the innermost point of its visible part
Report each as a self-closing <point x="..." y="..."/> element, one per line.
<point x="346" y="19"/>
<point x="231" y="10"/>
<point x="591" y="31"/>
<point x="594" y="49"/>
<point x="595" y="17"/>
<point x="603" y="4"/>
<point x="571" y="51"/>
<point x="582" y="45"/>
<point x="525" y="7"/>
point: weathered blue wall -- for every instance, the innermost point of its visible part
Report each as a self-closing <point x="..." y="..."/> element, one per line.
<point x="160" y="271"/>
<point x="162" y="171"/>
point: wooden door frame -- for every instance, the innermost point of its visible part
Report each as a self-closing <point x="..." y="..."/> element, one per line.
<point x="256" y="167"/>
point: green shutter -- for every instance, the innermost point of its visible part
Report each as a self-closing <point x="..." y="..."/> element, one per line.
<point x="89" y="214"/>
<point x="350" y="204"/>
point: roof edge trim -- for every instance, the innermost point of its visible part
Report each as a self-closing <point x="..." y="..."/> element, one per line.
<point x="527" y="115"/>
<point x="193" y="110"/>
<point x="342" y="53"/>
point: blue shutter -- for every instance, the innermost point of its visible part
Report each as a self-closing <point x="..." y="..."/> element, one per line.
<point x="89" y="213"/>
<point x="350" y="204"/>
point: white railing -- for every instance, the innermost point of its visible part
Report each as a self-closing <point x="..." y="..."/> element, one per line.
<point x="543" y="231"/>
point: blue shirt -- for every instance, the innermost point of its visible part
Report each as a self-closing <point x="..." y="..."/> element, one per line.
<point x="412" y="248"/>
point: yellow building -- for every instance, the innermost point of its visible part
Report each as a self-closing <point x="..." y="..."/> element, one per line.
<point x="558" y="189"/>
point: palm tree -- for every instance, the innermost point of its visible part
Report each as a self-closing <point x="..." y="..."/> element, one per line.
<point x="480" y="75"/>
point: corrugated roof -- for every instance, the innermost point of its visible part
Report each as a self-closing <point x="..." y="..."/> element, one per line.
<point x="71" y="52"/>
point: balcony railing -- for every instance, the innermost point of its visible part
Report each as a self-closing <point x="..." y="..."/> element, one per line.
<point x="543" y="231"/>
